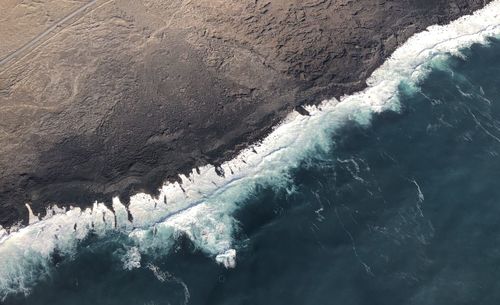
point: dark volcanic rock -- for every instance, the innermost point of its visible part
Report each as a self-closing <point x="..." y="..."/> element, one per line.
<point x="130" y="93"/>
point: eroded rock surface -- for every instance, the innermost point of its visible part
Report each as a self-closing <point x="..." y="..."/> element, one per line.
<point x="127" y="93"/>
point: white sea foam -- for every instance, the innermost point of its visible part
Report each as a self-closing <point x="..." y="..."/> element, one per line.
<point x="228" y="258"/>
<point x="201" y="207"/>
<point x="165" y="276"/>
<point x="132" y="259"/>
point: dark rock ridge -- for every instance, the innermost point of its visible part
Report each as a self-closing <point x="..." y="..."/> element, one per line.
<point x="130" y="93"/>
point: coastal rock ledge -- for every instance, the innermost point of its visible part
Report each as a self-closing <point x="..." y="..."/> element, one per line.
<point x="113" y="97"/>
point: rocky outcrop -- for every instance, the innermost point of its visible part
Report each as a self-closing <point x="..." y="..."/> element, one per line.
<point x="126" y="94"/>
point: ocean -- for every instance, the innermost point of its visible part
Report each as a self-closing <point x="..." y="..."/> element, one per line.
<point x="388" y="196"/>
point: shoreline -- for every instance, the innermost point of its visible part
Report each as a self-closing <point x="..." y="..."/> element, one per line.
<point x="56" y="176"/>
<point x="206" y="200"/>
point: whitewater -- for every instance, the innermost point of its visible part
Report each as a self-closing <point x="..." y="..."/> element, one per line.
<point x="201" y="206"/>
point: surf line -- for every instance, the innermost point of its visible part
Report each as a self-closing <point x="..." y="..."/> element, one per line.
<point x="491" y="11"/>
<point x="206" y="195"/>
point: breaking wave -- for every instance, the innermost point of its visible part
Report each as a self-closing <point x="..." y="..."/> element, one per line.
<point x="201" y="207"/>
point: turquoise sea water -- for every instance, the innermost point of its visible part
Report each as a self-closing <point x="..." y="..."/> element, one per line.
<point x="405" y="211"/>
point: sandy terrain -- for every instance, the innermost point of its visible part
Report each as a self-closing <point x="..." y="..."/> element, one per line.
<point x="24" y="20"/>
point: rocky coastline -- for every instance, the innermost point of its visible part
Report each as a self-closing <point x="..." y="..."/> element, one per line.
<point x="107" y="98"/>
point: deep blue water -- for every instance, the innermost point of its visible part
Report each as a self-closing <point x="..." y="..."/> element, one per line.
<point x="406" y="211"/>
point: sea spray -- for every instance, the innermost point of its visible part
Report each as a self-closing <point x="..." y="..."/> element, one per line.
<point x="201" y="206"/>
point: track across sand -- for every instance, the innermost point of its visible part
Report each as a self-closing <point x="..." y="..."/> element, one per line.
<point x="39" y="38"/>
